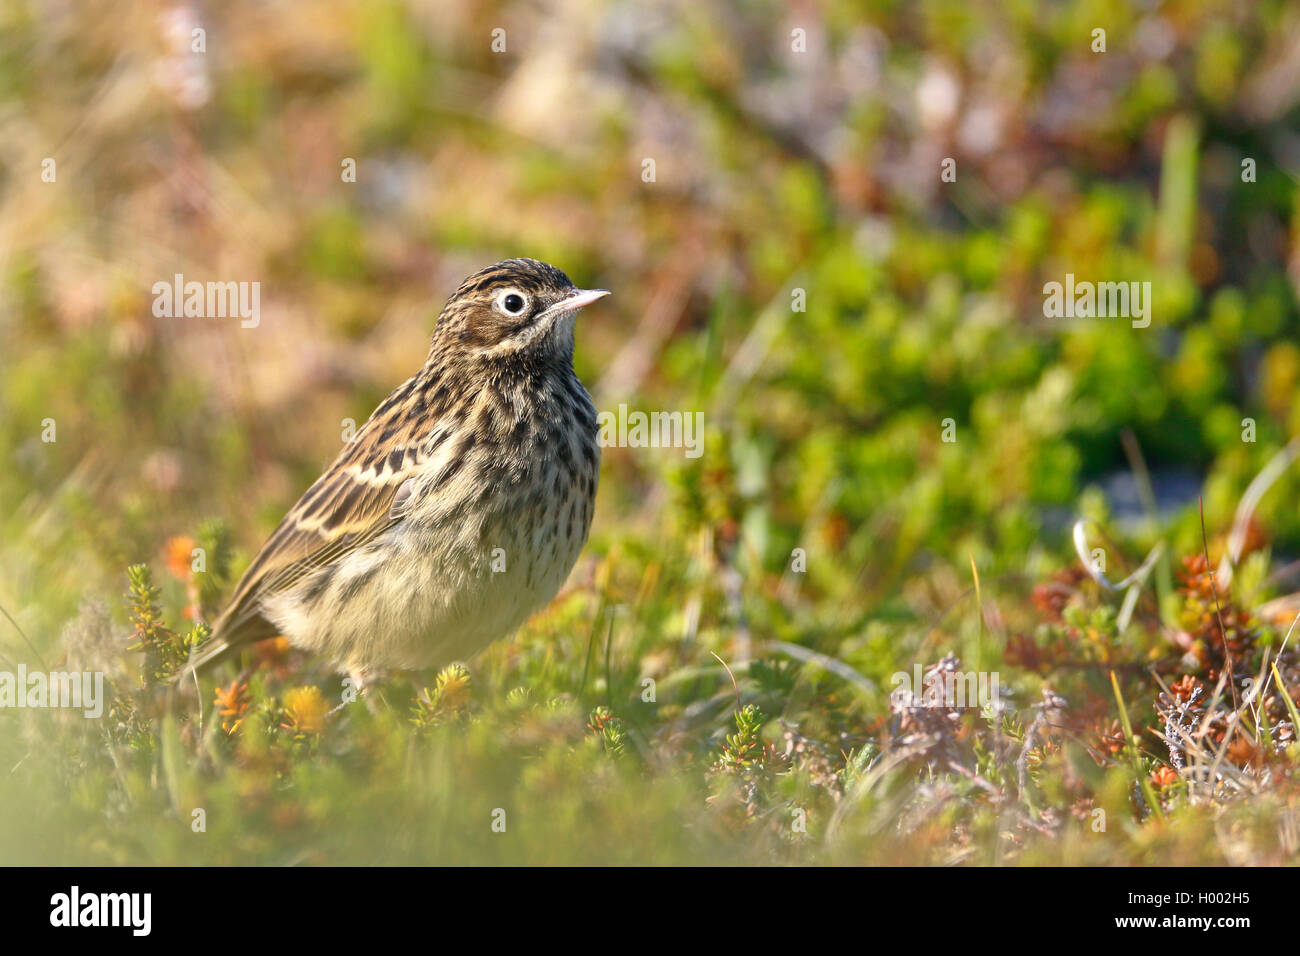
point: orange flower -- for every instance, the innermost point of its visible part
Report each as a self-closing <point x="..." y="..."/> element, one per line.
<point x="1110" y="738"/>
<point x="1185" y="687"/>
<point x="305" y="709"/>
<point x="1164" y="776"/>
<point x="232" y="705"/>
<point x="1243" y="752"/>
<point x="271" y="653"/>
<point x="452" y="688"/>
<point x="179" y="555"/>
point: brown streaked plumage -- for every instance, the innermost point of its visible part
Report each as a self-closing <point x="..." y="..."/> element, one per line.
<point x="457" y="509"/>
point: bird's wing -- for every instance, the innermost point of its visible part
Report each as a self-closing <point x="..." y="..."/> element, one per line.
<point x="357" y="498"/>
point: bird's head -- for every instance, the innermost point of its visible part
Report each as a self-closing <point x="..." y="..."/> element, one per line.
<point x="518" y="307"/>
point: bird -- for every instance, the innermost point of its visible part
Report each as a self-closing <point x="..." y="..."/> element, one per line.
<point x="456" y="511"/>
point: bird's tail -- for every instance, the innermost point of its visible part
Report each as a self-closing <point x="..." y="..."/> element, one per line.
<point x="229" y="637"/>
<point x="209" y="655"/>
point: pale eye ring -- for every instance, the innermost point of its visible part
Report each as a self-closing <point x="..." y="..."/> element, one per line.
<point x="512" y="302"/>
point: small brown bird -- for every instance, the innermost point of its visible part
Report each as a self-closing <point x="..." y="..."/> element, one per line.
<point x="457" y="510"/>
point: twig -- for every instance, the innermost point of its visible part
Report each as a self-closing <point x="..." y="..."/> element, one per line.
<point x="1250" y="501"/>
<point x="1227" y="652"/>
<point x="734" y="685"/>
<point x="31" y="647"/>
<point x="834" y="665"/>
<point x="1139" y="576"/>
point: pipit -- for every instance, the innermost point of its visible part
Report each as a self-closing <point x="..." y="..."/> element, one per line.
<point x="458" y="509"/>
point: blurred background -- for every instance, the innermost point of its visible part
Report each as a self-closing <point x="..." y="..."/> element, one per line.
<point x="795" y="146"/>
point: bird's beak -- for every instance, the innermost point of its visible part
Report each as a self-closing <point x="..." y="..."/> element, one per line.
<point x="580" y="298"/>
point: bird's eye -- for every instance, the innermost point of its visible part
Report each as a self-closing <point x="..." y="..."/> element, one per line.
<point x="512" y="302"/>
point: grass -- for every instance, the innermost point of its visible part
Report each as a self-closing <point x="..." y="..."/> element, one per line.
<point x="610" y="731"/>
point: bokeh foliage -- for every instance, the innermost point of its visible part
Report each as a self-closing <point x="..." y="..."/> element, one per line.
<point x="774" y="171"/>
